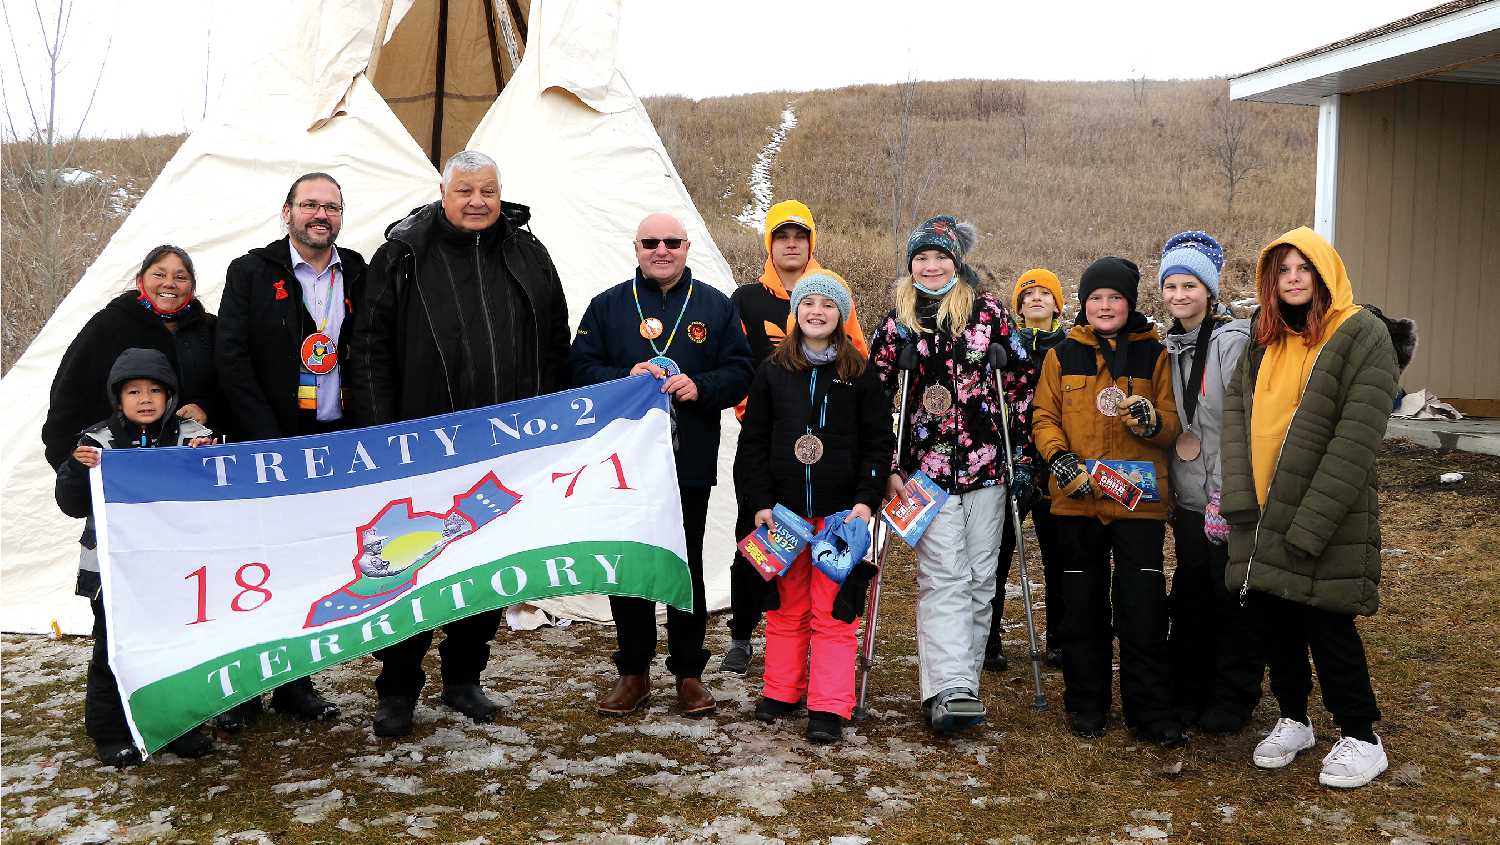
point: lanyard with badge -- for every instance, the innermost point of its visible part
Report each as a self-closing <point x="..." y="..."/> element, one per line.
<point x="319" y="353"/>
<point x="1188" y="444"/>
<point x="652" y="328"/>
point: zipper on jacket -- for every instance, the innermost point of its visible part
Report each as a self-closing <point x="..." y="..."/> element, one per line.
<point x="1255" y="541"/>
<point x="436" y="341"/>
<point x="489" y="326"/>
<point x="536" y="326"/>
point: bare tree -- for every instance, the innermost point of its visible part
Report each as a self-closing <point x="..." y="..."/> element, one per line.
<point x="911" y="173"/>
<point x="1229" y="147"/>
<point x="52" y="150"/>
<point x="900" y="153"/>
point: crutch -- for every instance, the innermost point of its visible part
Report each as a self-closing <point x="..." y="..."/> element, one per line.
<point x="906" y="362"/>
<point x="998" y="358"/>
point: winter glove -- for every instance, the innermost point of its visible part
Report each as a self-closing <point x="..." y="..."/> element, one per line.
<point x="1140" y="416"/>
<point x="1215" y="526"/>
<point x="1072" y="476"/>
<point x="1023" y="485"/>
<point x="849" y="604"/>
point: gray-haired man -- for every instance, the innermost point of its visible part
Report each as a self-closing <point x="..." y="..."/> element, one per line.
<point x="462" y="309"/>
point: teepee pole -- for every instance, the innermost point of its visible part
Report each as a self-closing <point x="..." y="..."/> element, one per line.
<point x="440" y="73"/>
<point x="494" y="39"/>
<point x="380" y="27"/>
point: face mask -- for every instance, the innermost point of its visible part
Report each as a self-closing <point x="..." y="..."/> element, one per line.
<point x="926" y="291"/>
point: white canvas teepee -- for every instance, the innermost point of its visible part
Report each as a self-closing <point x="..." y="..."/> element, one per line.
<point x="572" y="140"/>
<point x="566" y="103"/>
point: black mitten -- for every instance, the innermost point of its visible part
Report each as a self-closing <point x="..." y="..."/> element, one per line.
<point x="849" y="604"/>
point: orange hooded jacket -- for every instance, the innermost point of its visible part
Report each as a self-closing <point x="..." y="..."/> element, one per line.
<point x="765" y="309"/>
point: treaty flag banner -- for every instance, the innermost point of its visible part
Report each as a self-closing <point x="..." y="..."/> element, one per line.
<point x="230" y="570"/>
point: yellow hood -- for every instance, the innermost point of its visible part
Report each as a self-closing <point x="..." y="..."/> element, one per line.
<point x="1326" y="259"/>
<point x="1289" y="361"/>
<point x="791" y="211"/>
<point x="788" y="211"/>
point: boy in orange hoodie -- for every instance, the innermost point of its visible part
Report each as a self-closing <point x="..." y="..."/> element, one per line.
<point x="766" y="313"/>
<point x="1105" y="395"/>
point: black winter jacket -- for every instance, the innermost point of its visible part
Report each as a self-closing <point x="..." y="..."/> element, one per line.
<point x="710" y="347"/>
<point x="261" y="329"/>
<point x="80" y="397"/>
<point x="71" y="488"/>
<point x="856" y="435"/>
<point x="452" y="320"/>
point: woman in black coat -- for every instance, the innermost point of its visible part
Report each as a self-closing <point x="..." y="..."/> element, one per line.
<point x="159" y="312"/>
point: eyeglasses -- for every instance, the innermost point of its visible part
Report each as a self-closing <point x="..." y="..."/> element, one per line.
<point x="332" y="209"/>
<point x="669" y="243"/>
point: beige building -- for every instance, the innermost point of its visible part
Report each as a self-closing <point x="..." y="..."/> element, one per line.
<point x="1408" y="181"/>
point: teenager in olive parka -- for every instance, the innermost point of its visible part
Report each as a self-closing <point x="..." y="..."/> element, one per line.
<point x="1303" y="418"/>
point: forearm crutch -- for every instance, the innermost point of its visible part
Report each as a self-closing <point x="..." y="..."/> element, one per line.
<point x="997" y="359"/>
<point x="906" y="362"/>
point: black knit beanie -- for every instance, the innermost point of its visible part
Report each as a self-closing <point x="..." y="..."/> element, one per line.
<point x="1119" y="274"/>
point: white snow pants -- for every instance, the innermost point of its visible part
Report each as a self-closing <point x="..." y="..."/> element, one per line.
<point x="956" y="562"/>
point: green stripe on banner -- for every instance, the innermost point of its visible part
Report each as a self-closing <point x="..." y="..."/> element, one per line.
<point x="170" y="706"/>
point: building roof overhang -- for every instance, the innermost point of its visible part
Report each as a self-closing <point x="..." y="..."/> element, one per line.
<point x="1457" y="41"/>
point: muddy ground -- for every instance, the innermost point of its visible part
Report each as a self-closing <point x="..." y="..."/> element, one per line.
<point x="550" y="770"/>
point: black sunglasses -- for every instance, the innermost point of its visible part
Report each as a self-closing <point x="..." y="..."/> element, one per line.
<point x="671" y="243"/>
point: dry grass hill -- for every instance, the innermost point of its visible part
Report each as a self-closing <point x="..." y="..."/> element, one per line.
<point x="1054" y="174"/>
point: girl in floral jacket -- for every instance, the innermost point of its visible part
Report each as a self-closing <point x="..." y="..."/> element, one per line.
<point x="953" y="435"/>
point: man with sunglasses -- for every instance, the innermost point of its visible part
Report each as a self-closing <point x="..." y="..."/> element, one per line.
<point x="464" y="309"/>
<point x="278" y="351"/>
<point x="685" y="332"/>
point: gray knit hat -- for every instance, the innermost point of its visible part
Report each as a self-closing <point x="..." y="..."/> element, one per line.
<point x="824" y="283"/>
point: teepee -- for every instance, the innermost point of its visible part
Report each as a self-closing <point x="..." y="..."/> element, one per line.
<point x="377" y="93"/>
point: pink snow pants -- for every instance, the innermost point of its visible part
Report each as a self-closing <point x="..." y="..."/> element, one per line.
<point x="804" y="627"/>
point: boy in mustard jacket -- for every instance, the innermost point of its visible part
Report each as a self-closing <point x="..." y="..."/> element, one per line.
<point x="1105" y="396"/>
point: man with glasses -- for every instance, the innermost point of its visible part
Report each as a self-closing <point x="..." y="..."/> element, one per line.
<point x="464" y="309"/>
<point x="685" y="332"/>
<point x="278" y="351"/>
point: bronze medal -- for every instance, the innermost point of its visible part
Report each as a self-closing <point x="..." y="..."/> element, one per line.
<point x="808" y="449"/>
<point x="1108" y="401"/>
<point x="651" y="328"/>
<point x="1189" y="447"/>
<point x="936" y="400"/>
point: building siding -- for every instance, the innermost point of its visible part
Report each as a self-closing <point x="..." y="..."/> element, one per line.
<point x="1418" y="223"/>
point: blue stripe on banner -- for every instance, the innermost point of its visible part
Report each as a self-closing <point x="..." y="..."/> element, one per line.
<point x="345" y="459"/>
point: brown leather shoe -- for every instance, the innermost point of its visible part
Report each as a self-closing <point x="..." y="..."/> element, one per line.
<point x="694" y="698"/>
<point x="630" y="692"/>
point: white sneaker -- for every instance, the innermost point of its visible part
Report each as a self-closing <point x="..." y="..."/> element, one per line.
<point x="1280" y="747"/>
<point x="1353" y="762"/>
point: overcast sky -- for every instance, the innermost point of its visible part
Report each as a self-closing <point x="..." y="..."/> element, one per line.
<point x="163" y="53"/>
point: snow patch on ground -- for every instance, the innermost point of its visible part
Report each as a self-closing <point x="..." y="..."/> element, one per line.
<point x="753" y="216"/>
<point x="120" y="199"/>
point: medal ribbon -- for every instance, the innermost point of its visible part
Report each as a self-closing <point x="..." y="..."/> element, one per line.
<point x="813" y="405"/>
<point x="333" y="279"/>
<point x="635" y="291"/>
<point x="1194" y="383"/>
<point x="1116" y="356"/>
